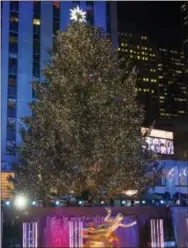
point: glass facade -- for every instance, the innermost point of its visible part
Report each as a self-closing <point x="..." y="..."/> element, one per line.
<point x="12" y="73"/>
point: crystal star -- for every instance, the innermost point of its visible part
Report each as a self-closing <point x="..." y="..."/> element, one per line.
<point x="78" y="15"/>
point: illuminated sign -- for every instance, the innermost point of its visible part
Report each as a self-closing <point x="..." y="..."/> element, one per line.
<point x="160" y="142"/>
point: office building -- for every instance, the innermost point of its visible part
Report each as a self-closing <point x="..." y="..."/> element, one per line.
<point x="184" y="13"/>
<point x="161" y="85"/>
<point x="172" y="87"/>
<point x="142" y="53"/>
<point x="27" y="35"/>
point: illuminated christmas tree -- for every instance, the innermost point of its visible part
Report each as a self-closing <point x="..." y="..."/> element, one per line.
<point x="85" y="130"/>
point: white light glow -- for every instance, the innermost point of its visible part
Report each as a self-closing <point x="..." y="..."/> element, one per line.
<point x="7" y="203"/>
<point x="185" y="172"/>
<point x="178" y="202"/>
<point x="21" y="202"/>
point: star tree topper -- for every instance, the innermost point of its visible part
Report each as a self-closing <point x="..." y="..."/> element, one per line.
<point x="77" y="15"/>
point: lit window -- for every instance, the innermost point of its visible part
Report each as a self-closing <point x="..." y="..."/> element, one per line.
<point x="138" y="47"/>
<point x="131" y="51"/>
<point x="180" y="100"/>
<point x="181" y="112"/>
<point x="13" y="19"/>
<point x="36" y="21"/>
<point x="146" y="58"/>
<point x="13" y="39"/>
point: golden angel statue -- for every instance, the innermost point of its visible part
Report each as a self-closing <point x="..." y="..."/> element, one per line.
<point x="103" y="235"/>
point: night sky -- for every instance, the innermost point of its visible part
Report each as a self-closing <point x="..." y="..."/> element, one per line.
<point x="160" y="21"/>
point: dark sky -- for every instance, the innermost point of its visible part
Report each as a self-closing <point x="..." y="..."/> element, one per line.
<point x="161" y="21"/>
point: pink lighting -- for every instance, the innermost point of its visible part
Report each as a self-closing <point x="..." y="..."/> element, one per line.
<point x="71" y="236"/>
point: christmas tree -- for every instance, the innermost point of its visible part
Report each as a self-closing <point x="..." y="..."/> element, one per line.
<point x="85" y="130"/>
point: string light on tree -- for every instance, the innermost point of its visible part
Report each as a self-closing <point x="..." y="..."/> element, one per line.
<point x="86" y="123"/>
<point x="130" y="192"/>
<point x="77" y="15"/>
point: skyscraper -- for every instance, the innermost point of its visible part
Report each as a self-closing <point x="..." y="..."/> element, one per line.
<point x="27" y="35"/>
<point x="161" y="86"/>
<point x="172" y="88"/>
<point x="142" y="53"/>
<point x="184" y="13"/>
